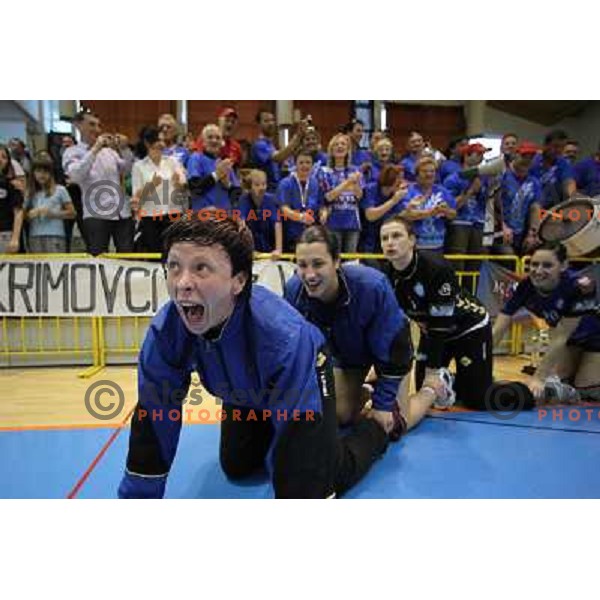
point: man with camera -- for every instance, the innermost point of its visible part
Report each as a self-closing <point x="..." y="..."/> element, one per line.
<point x="97" y="164"/>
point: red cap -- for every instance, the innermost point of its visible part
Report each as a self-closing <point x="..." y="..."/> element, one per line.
<point x="527" y="148"/>
<point x="473" y="148"/>
<point x="228" y="112"/>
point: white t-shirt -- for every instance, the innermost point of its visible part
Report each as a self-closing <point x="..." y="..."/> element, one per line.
<point x="17" y="168"/>
<point x="165" y="197"/>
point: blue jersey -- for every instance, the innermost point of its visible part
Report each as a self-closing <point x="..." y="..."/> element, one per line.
<point x="409" y="162"/>
<point x="372" y="174"/>
<point x="360" y="156"/>
<point x="260" y="220"/>
<point x="473" y="210"/>
<point x="344" y="215"/>
<point x="264" y="358"/>
<point x="567" y="300"/>
<point x="430" y="232"/>
<point x="365" y="327"/>
<point x="179" y="153"/>
<point x="202" y="165"/>
<point x="587" y="176"/>
<point x="374" y="197"/>
<point x="449" y="167"/>
<point x="552" y="179"/>
<point x="261" y="156"/>
<point x="298" y="197"/>
<point x="517" y="196"/>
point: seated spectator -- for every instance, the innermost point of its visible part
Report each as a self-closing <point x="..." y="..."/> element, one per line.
<point x="299" y="197"/>
<point x="46" y="207"/>
<point x="169" y="130"/>
<point x="382" y="200"/>
<point x="415" y="146"/>
<point x="212" y="180"/>
<point x="429" y="205"/>
<point x="571" y="151"/>
<point x="96" y="165"/>
<point x="158" y="181"/>
<point x="554" y="171"/>
<point x="264" y="154"/>
<point x="343" y="185"/>
<point x="520" y="199"/>
<point x="455" y="158"/>
<point x="465" y="233"/>
<point x="587" y="175"/>
<point x="261" y="214"/>
<point x="11" y="205"/>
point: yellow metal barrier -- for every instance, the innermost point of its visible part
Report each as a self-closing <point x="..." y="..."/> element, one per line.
<point x="30" y="337"/>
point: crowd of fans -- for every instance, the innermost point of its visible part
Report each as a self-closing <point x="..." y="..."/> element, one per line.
<point x="129" y="193"/>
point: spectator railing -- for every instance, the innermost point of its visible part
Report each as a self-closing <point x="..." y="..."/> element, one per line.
<point x="103" y="341"/>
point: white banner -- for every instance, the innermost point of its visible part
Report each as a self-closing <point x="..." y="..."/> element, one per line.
<point x="98" y="287"/>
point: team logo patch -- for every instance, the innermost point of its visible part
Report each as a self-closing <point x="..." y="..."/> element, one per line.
<point x="465" y="361"/>
<point x="445" y="290"/>
<point x="419" y="290"/>
<point x="446" y="310"/>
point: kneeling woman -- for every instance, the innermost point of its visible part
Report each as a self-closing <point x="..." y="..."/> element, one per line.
<point x="355" y="308"/>
<point x="453" y="323"/>
<point x="567" y="302"/>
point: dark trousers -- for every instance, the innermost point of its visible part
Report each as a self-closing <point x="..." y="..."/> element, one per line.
<point x="309" y="459"/>
<point x="464" y="239"/>
<point x="472" y="354"/>
<point x="75" y="194"/>
<point x="99" y="232"/>
<point x="152" y="231"/>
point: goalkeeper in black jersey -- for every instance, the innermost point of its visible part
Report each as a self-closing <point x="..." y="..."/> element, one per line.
<point x="453" y="323"/>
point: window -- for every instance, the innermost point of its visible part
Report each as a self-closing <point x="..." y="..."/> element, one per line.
<point x="52" y="119"/>
<point x="363" y="110"/>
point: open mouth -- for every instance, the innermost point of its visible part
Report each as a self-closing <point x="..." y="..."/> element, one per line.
<point x="312" y="286"/>
<point x="193" y="313"/>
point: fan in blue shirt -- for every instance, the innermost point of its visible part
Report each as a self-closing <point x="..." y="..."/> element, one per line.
<point x="520" y="199"/>
<point x="382" y="200"/>
<point x="299" y="197"/>
<point x="587" y="175"/>
<point x="261" y="214"/>
<point x="554" y="172"/>
<point x="429" y="205"/>
<point x="212" y="180"/>
<point x="265" y="156"/>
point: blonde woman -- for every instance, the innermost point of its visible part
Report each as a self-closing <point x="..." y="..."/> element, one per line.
<point x="343" y="186"/>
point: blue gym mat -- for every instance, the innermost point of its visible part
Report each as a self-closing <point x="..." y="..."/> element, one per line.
<point x="449" y="455"/>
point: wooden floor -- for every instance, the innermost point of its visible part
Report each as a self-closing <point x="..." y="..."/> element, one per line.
<point x="55" y="397"/>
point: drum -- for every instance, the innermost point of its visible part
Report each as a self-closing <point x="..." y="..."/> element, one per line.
<point x="575" y="223"/>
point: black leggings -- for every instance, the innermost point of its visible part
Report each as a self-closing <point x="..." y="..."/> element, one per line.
<point x="472" y="354"/>
<point x="309" y="460"/>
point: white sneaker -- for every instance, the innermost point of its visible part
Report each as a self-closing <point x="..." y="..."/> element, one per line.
<point x="448" y="397"/>
<point x="557" y="391"/>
